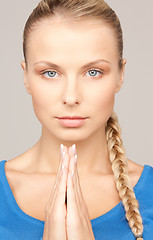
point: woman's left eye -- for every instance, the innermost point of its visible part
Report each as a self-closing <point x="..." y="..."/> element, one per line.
<point x="93" y="72"/>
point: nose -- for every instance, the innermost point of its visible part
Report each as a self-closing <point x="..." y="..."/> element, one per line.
<point x="71" y="95"/>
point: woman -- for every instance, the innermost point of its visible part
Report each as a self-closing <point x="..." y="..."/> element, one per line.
<point x="76" y="181"/>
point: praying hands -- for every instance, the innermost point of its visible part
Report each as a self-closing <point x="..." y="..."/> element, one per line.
<point x="67" y="215"/>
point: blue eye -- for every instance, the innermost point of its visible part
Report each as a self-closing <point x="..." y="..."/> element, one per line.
<point x="93" y="72"/>
<point x="49" y="74"/>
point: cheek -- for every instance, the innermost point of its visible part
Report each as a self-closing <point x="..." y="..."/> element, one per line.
<point x="104" y="101"/>
<point x="106" y="98"/>
<point x="43" y="99"/>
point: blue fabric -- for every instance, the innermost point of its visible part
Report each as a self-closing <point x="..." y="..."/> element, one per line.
<point x="17" y="225"/>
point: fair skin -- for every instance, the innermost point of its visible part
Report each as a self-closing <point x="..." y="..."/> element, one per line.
<point x="72" y="91"/>
<point x="56" y="96"/>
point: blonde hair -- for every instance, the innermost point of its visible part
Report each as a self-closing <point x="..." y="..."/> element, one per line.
<point x="97" y="9"/>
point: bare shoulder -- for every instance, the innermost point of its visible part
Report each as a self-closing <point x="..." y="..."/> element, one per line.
<point x="135" y="170"/>
<point x="134" y="167"/>
<point x="21" y="162"/>
<point x="15" y="165"/>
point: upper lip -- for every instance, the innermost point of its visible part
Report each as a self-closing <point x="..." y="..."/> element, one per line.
<point x="72" y="117"/>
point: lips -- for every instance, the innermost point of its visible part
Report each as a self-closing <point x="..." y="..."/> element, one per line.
<point x="72" y="122"/>
<point x="72" y="117"/>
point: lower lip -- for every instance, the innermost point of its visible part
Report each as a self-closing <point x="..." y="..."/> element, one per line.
<point x="72" y="123"/>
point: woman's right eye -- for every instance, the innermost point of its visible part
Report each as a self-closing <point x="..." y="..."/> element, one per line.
<point x="49" y="74"/>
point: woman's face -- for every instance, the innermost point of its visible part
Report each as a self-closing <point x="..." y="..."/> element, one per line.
<point x="72" y="88"/>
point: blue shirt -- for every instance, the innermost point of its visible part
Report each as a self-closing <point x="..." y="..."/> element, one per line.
<point x="17" y="225"/>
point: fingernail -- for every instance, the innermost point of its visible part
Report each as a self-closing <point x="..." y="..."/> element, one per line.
<point x="74" y="149"/>
<point x="63" y="155"/>
<point x="75" y="157"/>
<point x="61" y="148"/>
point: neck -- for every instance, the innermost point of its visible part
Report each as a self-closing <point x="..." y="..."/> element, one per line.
<point x="92" y="152"/>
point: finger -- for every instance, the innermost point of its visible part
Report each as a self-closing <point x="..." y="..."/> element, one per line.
<point x="72" y="209"/>
<point x="64" y="169"/>
<point x="72" y="169"/>
<point x="57" y="180"/>
<point x="76" y="185"/>
<point x="83" y="211"/>
<point x="62" y="149"/>
<point x="57" y="176"/>
<point x="81" y="202"/>
<point x="72" y="150"/>
<point x="79" y="191"/>
<point x="72" y="200"/>
<point x="58" y="199"/>
<point x="76" y="180"/>
<point x="83" y="207"/>
<point x="61" y="188"/>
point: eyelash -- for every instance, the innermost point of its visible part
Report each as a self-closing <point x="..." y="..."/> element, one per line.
<point x="92" y="69"/>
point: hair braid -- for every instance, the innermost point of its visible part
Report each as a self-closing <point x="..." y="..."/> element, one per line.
<point x="123" y="183"/>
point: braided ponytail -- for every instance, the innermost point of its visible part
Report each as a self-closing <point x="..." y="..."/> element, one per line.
<point x="123" y="183"/>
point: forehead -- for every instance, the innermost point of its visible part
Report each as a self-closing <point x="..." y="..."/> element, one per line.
<point x="64" y="37"/>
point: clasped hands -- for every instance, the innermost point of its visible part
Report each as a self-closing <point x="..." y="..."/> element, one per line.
<point x="66" y="214"/>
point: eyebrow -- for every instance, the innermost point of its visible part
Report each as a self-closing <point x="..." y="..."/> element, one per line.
<point x="85" y="66"/>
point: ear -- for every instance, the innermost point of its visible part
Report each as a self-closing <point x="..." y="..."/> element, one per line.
<point x="26" y="82"/>
<point x="121" y="76"/>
